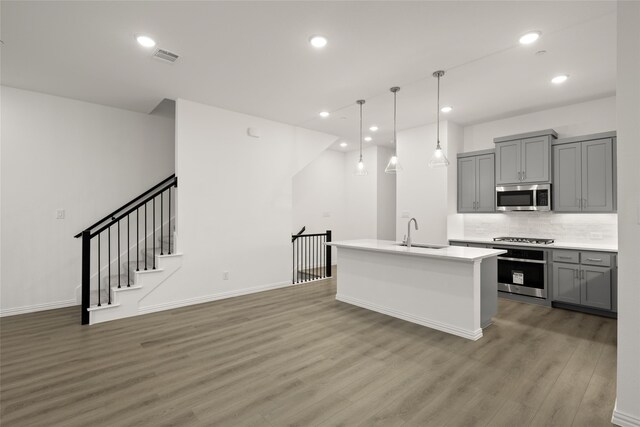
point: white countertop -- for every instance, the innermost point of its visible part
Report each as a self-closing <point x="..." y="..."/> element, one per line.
<point x="459" y="253"/>
<point x="555" y="245"/>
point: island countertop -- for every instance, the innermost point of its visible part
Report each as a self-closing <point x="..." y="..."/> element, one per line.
<point x="458" y="253"/>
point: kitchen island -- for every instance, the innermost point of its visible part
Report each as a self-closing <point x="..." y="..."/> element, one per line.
<point x="451" y="289"/>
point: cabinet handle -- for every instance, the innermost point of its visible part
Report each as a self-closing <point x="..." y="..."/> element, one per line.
<point x="564" y="257"/>
<point x="585" y="203"/>
<point x="595" y="259"/>
<point x="577" y="274"/>
<point x="579" y="201"/>
<point x="524" y="175"/>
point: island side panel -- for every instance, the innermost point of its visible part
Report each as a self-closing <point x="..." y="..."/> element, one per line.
<point x="442" y="294"/>
<point x="488" y="290"/>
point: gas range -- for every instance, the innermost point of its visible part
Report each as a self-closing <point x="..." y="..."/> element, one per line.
<point x="527" y="240"/>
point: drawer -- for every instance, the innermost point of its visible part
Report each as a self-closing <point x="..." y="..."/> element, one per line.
<point x="596" y="258"/>
<point x="572" y="257"/>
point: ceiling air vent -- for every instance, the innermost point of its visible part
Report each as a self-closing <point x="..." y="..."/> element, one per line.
<point x="165" y="55"/>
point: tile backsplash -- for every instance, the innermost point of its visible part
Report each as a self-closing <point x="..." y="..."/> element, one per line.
<point x="574" y="228"/>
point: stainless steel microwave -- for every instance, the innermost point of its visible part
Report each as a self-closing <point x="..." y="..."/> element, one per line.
<point x="524" y="198"/>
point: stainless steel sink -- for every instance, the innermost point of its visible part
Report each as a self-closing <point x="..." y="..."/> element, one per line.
<point x="422" y="245"/>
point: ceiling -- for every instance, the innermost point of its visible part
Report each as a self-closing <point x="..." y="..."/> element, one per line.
<point x="254" y="57"/>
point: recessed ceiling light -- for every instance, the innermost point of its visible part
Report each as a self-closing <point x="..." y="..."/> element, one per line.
<point x="446" y="109"/>
<point x="367" y="138"/>
<point x="559" y="79"/>
<point x="343" y="144"/>
<point x="146" y="41"/>
<point x="318" y="41"/>
<point x="373" y="128"/>
<point x="530" y="37"/>
<point x="324" y="114"/>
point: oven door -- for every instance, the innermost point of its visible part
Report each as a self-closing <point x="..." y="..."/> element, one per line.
<point x="522" y="276"/>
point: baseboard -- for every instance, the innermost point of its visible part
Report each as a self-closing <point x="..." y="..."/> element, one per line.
<point x="213" y="297"/>
<point x="37" y="307"/>
<point x="464" y="333"/>
<point x="624" y="420"/>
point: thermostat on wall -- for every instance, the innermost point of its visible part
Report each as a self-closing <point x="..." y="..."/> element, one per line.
<point x="253" y="132"/>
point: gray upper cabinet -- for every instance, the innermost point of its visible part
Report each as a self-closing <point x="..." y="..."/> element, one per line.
<point x="567" y="177"/>
<point x="597" y="175"/>
<point x="508" y="162"/>
<point x="584" y="175"/>
<point x="524" y="158"/>
<point x="536" y="159"/>
<point x="476" y="185"/>
<point x="485" y="183"/>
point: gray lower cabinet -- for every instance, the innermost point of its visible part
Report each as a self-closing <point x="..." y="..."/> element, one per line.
<point x="566" y="281"/>
<point x="577" y="282"/>
<point x="476" y="185"/>
<point x="595" y="289"/>
<point x="583" y="176"/>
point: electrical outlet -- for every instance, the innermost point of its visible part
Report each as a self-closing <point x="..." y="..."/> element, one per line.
<point x="60" y="214"/>
<point x="225" y="275"/>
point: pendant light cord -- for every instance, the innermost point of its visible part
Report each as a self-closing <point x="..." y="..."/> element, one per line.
<point x="361" y="102"/>
<point x="395" y="114"/>
<point x="438" y="113"/>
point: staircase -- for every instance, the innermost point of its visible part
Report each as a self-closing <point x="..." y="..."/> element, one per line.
<point x="127" y="254"/>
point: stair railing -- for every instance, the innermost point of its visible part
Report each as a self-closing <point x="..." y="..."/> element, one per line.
<point x="151" y="200"/>
<point x="311" y="257"/>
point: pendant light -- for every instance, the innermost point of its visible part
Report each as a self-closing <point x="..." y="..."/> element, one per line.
<point x="360" y="169"/>
<point x="438" y="159"/>
<point x="393" y="166"/>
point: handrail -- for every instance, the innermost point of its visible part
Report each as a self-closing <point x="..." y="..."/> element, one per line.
<point x="295" y="236"/>
<point x="164" y="181"/>
<point x="124" y="215"/>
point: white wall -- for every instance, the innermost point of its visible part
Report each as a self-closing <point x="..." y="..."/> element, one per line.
<point x="571" y="120"/>
<point x="87" y="159"/>
<point x="234" y="204"/>
<point x="422" y="192"/>
<point x="627" y="410"/>
<point x="319" y="197"/>
<point x="361" y="195"/>
<point x="385" y="196"/>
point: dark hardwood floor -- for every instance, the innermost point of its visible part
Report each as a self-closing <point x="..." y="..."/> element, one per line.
<point x="295" y="356"/>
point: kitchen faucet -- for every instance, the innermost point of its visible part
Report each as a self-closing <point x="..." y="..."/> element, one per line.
<point x="407" y="240"/>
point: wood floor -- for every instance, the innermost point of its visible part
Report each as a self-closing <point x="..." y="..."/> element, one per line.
<point x="295" y="356"/>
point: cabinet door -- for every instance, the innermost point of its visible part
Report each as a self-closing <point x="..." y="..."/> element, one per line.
<point x="566" y="283"/>
<point x="567" y="177"/>
<point x="596" y="287"/>
<point x="466" y="184"/>
<point x="535" y="159"/>
<point x="597" y="176"/>
<point x="508" y="162"/>
<point x="485" y="183"/>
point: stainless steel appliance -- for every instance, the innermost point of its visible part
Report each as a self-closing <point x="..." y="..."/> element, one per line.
<point x="523" y="271"/>
<point x="524" y="197"/>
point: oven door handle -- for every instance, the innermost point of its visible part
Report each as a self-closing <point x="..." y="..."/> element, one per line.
<point x="532" y="261"/>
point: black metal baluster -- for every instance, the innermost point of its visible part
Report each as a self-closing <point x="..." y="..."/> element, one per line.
<point x="297" y="260"/>
<point x="306" y="258"/>
<point x="138" y="239"/>
<point x="118" y="254"/>
<point x="161" y="223"/>
<point x="322" y="258"/>
<point x="314" y="256"/>
<point x="153" y="241"/>
<point x="99" y="270"/>
<point x="128" y="261"/>
<point x="169" y="230"/>
<point x="109" y="264"/>
<point x="293" y="261"/>
<point x="328" y="253"/>
<point x="145" y="236"/>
